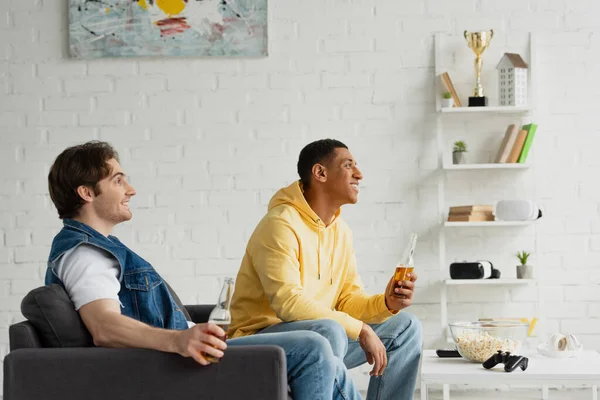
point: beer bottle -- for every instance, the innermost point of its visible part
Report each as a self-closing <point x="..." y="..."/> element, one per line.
<point x="220" y="315"/>
<point x="406" y="264"/>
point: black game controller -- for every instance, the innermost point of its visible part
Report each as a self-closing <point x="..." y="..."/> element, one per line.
<point x="511" y="362"/>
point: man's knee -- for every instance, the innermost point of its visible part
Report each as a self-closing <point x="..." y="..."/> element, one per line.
<point x="335" y="333"/>
<point x="406" y="324"/>
<point x="331" y="329"/>
<point x="316" y="346"/>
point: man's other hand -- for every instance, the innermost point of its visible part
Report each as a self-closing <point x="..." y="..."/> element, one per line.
<point x="374" y="350"/>
<point x="199" y="339"/>
<point x="398" y="297"/>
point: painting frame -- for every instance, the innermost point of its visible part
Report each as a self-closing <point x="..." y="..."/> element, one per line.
<point x="168" y="28"/>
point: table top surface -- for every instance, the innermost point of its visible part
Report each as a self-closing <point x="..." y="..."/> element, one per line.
<point x="585" y="367"/>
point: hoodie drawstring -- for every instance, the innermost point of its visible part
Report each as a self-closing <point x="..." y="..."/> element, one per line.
<point x="331" y="261"/>
<point x="319" y="254"/>
<point x="319" y="250"/>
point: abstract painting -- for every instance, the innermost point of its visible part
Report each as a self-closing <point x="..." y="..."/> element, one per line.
<point x="150" y="28"/>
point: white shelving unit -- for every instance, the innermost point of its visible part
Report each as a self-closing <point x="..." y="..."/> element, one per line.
<point x="522" y="113"/>
<point x="467" y="167"/>
<point x="489" y="282"/>
<point x="482" y="110"/>
<point x="481" y="224"/>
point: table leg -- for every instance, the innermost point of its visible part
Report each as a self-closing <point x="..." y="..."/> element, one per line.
<point x="544" y="392"/>
<point x="594" y="392"/>
<point x="423" y="391"/>
<point x="446" y="392"/>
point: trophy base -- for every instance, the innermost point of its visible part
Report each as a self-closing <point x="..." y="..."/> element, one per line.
<point x="478" y="101"/>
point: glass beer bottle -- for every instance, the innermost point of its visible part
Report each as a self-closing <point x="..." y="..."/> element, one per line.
<point x="220" y="315"/>
<point x="406" y="264"/>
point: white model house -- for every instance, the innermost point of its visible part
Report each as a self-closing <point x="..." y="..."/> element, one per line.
<point x="512" y="80"/>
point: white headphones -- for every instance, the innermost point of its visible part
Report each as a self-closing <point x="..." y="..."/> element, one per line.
<point x="560" y="342"/>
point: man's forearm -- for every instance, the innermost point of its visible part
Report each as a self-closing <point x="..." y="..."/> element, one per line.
<point x="370" y="309"/>
<point x="117" y="330"/>
<point x="296" y="307"/>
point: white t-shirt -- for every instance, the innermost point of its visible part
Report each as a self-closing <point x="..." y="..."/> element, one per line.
<point x="89" y="274"/>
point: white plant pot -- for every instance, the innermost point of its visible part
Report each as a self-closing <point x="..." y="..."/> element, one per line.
<point x="524" y="271"/>
<point x="459" y="157"/>
<point x="447" y="103"/>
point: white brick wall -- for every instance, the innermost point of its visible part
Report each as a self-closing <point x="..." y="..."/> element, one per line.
<point x="208" y="141"/>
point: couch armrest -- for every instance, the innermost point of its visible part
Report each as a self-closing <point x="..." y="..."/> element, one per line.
<point x="23" y="336"/>
<point x="245" y="372"/>
<point x="199" y="313"/>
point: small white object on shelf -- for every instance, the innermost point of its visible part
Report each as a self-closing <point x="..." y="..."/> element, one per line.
<point x="486" y="166"/>
<point x="447" y="103"/>
<point x="489" y="282"/>
<point x="479" y="224"/>
<point x="512" y="80"/>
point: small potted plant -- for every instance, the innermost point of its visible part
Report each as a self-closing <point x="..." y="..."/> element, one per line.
<point x="524" y="271"/>
<point x="447" y="100"/>
<point x="459" y="155"/>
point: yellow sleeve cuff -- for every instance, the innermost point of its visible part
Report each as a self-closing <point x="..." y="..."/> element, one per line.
<point x="384" y="311"/>
<point x="353" y="329"/>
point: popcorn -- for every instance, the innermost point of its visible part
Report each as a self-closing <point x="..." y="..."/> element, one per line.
<point x="481" y="346"/>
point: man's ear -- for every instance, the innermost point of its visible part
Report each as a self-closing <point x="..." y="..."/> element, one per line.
<point x="86" y="193"/>
<point x="319" y="172"/>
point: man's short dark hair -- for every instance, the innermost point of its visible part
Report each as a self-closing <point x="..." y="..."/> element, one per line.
<point x="85" y="164"/>
<point x="318" y="152"/>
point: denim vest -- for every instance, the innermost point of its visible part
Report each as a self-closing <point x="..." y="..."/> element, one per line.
<point x="144" y="295"/>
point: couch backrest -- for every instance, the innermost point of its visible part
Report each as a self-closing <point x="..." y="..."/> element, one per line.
<point x="51" y="312"/>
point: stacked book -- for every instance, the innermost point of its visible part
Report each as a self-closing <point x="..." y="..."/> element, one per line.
<point x="471" y="213"/>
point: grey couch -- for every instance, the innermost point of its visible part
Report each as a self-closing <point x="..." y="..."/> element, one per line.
<point x="52" y="357"/>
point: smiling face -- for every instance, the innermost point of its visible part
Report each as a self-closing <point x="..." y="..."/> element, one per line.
<point x="111" y="203"/>
<point x="343" y="176"/>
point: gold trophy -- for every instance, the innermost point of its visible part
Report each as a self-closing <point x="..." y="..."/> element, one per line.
<point x="478" y="42"/>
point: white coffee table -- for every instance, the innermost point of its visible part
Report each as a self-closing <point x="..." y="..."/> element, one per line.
<point x="542" y="370"/>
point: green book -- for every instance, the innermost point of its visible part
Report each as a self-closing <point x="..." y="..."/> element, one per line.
<point x="530" y="128"/>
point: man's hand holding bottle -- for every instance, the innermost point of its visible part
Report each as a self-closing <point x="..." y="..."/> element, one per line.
<point x="399" y="295"/>
<point x="205" y="342"/>
<point x="400" y="289"/>
<point x="202" y="342"/>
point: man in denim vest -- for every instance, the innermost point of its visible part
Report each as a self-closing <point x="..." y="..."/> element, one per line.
<point x="124" y="302"/>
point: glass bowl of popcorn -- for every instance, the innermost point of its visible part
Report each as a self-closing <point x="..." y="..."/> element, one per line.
<point x="478" y="341"/>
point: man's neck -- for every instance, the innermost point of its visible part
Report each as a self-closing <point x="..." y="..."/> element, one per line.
<point x="321" y="205"/>
<point x="103" y="227"/>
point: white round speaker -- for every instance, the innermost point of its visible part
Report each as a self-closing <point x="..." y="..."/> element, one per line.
<point x="517" y="210"/>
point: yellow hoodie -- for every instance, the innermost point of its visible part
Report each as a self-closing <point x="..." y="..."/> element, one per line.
<point x="296" y="268"/>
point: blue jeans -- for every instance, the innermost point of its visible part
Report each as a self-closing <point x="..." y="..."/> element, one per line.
<point x="401" y="335"/>
<point x="314" y="373"/>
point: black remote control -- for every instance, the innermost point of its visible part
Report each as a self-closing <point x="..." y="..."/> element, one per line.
<point x="447" y="353"/>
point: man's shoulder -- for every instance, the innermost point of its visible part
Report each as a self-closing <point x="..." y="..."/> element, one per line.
<point x="282" y="220"/>
<point x="89" y="250"/>
<point x="86" y="253"/>
<point x="281" y="214"/>
<point x="64" y="241"/>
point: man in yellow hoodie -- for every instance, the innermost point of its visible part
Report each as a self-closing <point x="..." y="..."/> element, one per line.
<point x="299" y="273"/>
